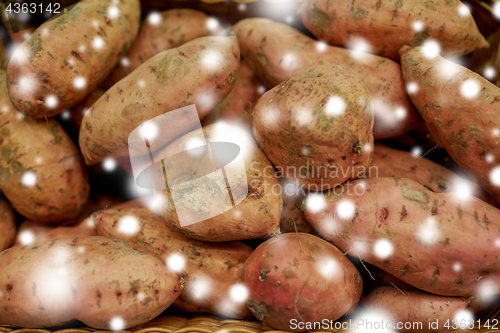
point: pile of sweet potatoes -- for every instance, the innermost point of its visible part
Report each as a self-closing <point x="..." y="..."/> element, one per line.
<point x="268" y="175"/>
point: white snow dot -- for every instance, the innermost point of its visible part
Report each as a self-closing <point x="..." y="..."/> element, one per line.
<point x="470" y="88"/>
<point x="149" y="130"/>
<point x="239" y="293"/>
<point x="26" y="84"/>
<point x="66" y="115"/>
<point x="242" y="7"/>
<point x="321" y="46"/>
<point x="288" y="60"/>
<point x="117" y="324"/>
<point x="261" y="89"/>
<point x="345" y="209"/>
<point x="462" y="190"/>
<point x="489" y="158"/>
<point x="28" y="178"/>
<point x="97" y="42"/>
<point x="154" y="18"/>
<point x="128" y="225"/>
<point x="289" y="19"/>
<point x="428" y="231"/>
<point x="79" y="82"/>
<point x="303" y="116"/>
<point x="212" y="24"/>
<point x="335" y="106"/>
<point x="193" y="143"/>
<point x="125" y="62"/>
<point x="211" y="60"/>
<point x="383" y="248"/>
<point x="176" y="262"/>
<point x="490" y="73"/>
<point x="109" y="164"/>
<point x="26" y="237"/>
<point x="400" y="113"/>
<point x="457" y="267"/>
<point x="315" y="203"/>
<point x="113" y="12"/>
<point x="431" y="49"/>
<point x="38" y="160"/>
<point x="412" y="87"/>
<point x="359" y="47"/>
<point x="463" y="10"/>
<point x="495" y="132"/>
<point x="418" y="26"/>
<point x="495" y="176"/>
<point x="497" y="242"/>
<point x="200" y="288"/>
<point x="416" y="152"/>
<point x="141" y="83"/>
<point x="464" y="317"/>
<point x="328" y="267"/>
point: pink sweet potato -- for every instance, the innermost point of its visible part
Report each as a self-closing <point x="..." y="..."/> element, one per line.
<point x="103" y="282"/>
<point x="433" y="241"/>
<point x="297" y="278"/>
<point x="159" y="32"/>
<point x="211" y="269"/>
<point x="388" y="25"/>
<point x="461" y="110"/>
<point x="275" y="51"/>
<point x="67" y="57"/>
<point x="7" y="225"/>
<point x="201" y="72"/>
<point x="410" y="310"/>
<point x="316" y="126"/>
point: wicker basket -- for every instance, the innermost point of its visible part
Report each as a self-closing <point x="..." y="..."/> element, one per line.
<point x="284" y="11"/>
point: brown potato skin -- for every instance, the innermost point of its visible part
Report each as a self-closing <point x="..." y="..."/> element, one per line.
<point x="453" y="119"/>
<point x="109" y="122"/>
<point x="259" y="212"/>
<point x="396" y="209"/>
<point x="375" y="22"/>
<point x="397" y="163"/>
<point x="177" y="26"/>
<point x="415" y="306"/>
<point x="55" y="59"/>
<point x="220" y="263"/>
<point x="62" y="190"/>
<point x="237" y="107"/>
<point x="284" y="282"/>
<point x="106" y="278"/>
<point x="7" y="225"/>
<point x="330" y="145"/>
<point x="265" y="43"/>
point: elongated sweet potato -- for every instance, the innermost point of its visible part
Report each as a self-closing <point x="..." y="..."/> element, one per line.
<point x="201" y="72"/>
<point x="41" y="171"/>
<point x="448" y="98"/>
<point x="292" y="278"/>
<point x="275" y="51"/>
<point x="67" y="57"/>
<point x="433" y="241"/>
<point x="7" y="225"/>
<point x="201" y="206"/>
<point x="159" y="32"/>
<point x="412" y="309"/>
<point x="388" y="25"/>
<point x="388" y="162"/>
<point x="316" y="126"/>
<point x="105" y="283"/>
<point x="210" y="270"/>
<point x="237" y="107"/>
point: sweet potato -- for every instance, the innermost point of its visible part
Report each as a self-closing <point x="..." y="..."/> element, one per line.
<point x="292" y="216"/>
<point x="200" y="72"/>
<point x="448" y="98"/>
<point x="388" y="25"/>
<point x="388" y="162"/>
<point x="7" y="225"/>
<point x="275" y="51"/>
<point x="210" y="270"/>
<point x="295" y="278"/>
<point x="237" y="107"/>
<point x="159" y="32"/>
<point x="41" y="171"/>
<point x="257" y="209"/>
<point x="433" y="241"/>
<point x="67" y="57"/>
<point x="105" y="283"/>
<point x="412" y="309"/>
<point x="316" y="126"/>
